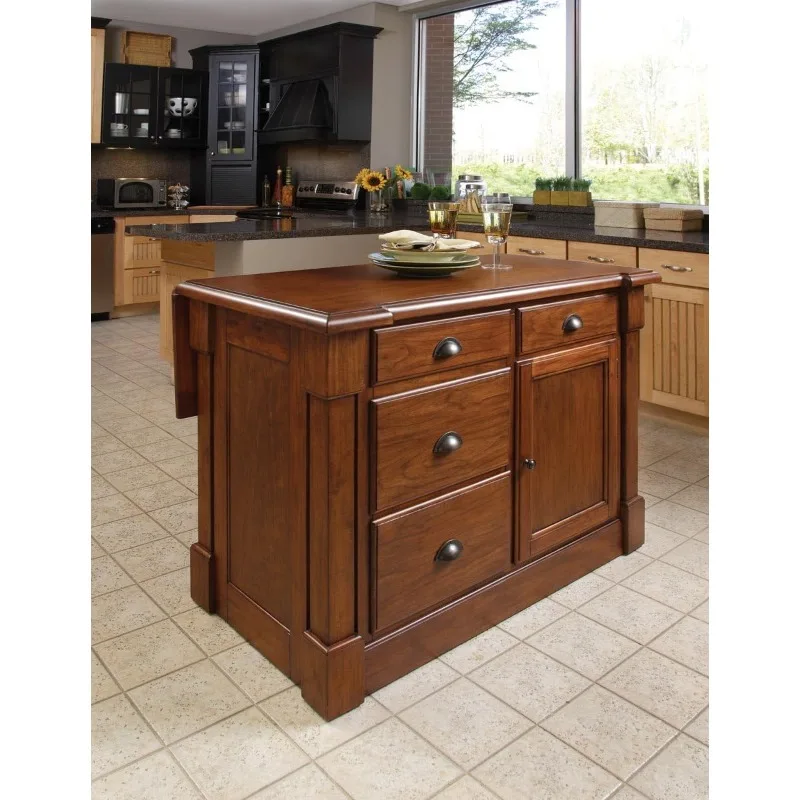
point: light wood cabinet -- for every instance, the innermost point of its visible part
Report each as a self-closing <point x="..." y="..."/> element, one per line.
<point x="677" y="268"/>
<point x="212" y="218"/>
<point x="171" y="276"/>
<point x="539" y="248"/>
<point x="98" y="60"/>
<point x="618" y="255"/>
<point x="141" y="285"/>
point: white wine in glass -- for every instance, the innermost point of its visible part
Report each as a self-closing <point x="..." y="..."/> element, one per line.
<point x="443" y="218"/>
<point x="496" y="222"/>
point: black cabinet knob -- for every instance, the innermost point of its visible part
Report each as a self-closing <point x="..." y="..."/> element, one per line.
<point x="447" y="348"/>
<point x="449" y="551"/>
<point x="447" y="443"/>
<point x="529" y="463"/>
<point x="572" y="323"/>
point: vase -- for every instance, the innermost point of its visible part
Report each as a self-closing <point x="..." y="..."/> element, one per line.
<point x="379" y="200"/>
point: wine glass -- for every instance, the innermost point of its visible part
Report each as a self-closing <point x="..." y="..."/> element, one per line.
<point x="496" y="222"/>
<point x="443" y="218"/>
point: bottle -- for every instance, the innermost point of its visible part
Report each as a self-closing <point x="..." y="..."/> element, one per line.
<point x="277" y="195"/>
<point x="288" y="193"/>
<point x="265" y="191"/>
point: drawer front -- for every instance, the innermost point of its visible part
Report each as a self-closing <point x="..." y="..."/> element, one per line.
<point x="193" y="254"/>
<point x="172" y="219"/>
<point x="435" y="346"/>
<point x="430" y="440"/>
<point x="619" y="255"/>
<point x="555" y="324"/>
<point x="543" y="248"/>
<point x="681" y="269"/>
<point x="193" y="218"/>
<point x="141" y="285"/>
<point x="469" y="530"/>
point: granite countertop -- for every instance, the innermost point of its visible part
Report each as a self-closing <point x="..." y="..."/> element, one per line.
<point x="163" y="212"/>
<point x="359" y="222"/>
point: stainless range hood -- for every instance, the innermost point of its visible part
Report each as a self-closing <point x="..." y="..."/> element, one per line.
<point x="304" y="113"/>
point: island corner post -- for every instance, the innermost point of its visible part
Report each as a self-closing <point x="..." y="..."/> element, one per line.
<point x="321" y="518"/>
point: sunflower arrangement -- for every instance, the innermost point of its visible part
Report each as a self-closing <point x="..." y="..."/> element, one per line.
<point x="370" y="180"/>
<point x="401" y="173"/>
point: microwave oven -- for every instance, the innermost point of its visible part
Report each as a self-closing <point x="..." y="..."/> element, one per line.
<point x="131" y="193"/>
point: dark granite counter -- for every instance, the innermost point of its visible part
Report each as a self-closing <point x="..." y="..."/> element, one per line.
<point x="161" y="212"/>
<point x="361" y="222"/>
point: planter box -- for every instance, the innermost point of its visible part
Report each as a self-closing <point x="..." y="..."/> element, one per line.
<point x="673" y="219"/>
<point x="541" y="197"/>
<point x="580" y="198"/>
<point x="618" y="214"/>
<point x="559" y="198"/>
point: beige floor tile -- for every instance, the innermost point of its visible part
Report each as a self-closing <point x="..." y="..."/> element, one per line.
<point x="136" y="477"/>
<point x="698" y="728"/>
<point x="107" y="576"/>
<point x="626" y="793"/>
<point x="251" y="672"/>
<point x="183" y="427"/>
<point x="238" y="756"/>
<point x="161" y="451"/>
<point x="156" y="777"/>
<point x="649" y="499"/>
<point x="581" y="591"/>
<point x="466" y="788"/>
<point x="669" y="585"/>
<point x="112" y="508"/>
<point x="181" y="466"/>
<point x="686" y="642"/>
<point x="530" y="681"/>
<point x="661" y="686"/>
<point x="691" y="556"/>
<point x="145" y="436"/>
<point x="680" y="519"/>
<point x="695" y="497"/>
<point x="630" y="613"/>
<point x="103" y="685"/>
<point x="654" y="452"/>
<point x="171" y="591"/>
<point x="684" y="466"/>
<point x="153" y="559"/>
<point x="583" y="645"/>
<point x="609" y="730"/>
<point x="211" y="632"/>
<point x="101" y="487"/>
<point x="539" y="766"/>
<point x="129" y="532"/>
<point x="148" y="653"/>
<point x="160" y="495"/>
<point x="185" y="701"/>
<point x="659" y="485"/>
<point x="533" y="618"/>
<point x="420" y="683"/>
<point x="310" y="731"/>
<point x="623" y="566"/>
<point x="98" y="431"/>
<point x="178" y="518"/>
<point x="137" y="400"/>
<point x="97" y="551"/>
<point x="703" y="482"/>
<point x="658" y="541"/>
<point x="389" y="762"/>
<point x="118" y="612"/>
<point x="465" y="722"/>
<point x="146" y="403"/>
<point x="702" y="536"/>
<point x="677" y="436"/>
<point x="187" y="538"/>
<point x="125" y="424"/>
<point x="189" y="481"/>
<point x="190" y="440"/>
<point x="678" y="772"/>
<point x="106" y="443"/>
<point x="164" y="416"/>
<point x="308" y="782"/>
<point x="119" y="735"/>
<point x="701" y="612"/>
<point x="117" y="460"/>
<point x="470" y="655"/>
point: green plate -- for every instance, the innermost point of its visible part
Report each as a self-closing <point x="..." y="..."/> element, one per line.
<point x="423" y="270"/>
<point x="428" y="256"/>
<point x="403" y="260"/>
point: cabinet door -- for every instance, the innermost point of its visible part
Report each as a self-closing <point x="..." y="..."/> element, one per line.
<point x="568" y="470"/>
<point x="171" y="276"/>
<point x="98" y="59"/>
<point x="232" y="184"/>
<point x="182" y="107"/>
<point x="141" y="285"/>
<point x="129" y="105"/>
<point x="674" y="348"/>
<point x="141" y="251"/>
<point x="232" y="99"/>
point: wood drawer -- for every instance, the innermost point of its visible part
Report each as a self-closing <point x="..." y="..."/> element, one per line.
<point x="546" y="326"/>
<point x="193" y="218"/>
<point x="408" y="577"/>
<point x="192" y="254"/>
<point x="435" y="346"/>
<point x="543" y="248"/>
<point x="616" y="254"/>
<point x="676" y="267"/>
<point x="141" y="285"/>
<point x="172" y="219"/>
<point x="409" y="426"/>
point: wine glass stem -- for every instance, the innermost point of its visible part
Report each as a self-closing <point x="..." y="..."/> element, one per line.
<point x="496" y="255"/>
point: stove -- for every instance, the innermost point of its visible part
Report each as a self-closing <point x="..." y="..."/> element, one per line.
<point x="338" y="196"/>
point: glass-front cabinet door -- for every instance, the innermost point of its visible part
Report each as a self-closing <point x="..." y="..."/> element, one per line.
<point x="182" y="112"/>
<point x="129" y="114"/>
<point x="232" y="98"/>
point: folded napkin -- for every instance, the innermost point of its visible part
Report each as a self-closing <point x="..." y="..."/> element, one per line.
<point x="408" y="240"/>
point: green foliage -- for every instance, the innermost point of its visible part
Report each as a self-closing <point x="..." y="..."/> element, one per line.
<point x="563" y="183"/>
<point x="543" y="184"/>
<point x="420" y="191"/>
<point x="441" y="193"/>
<point x="581" y="185"/>
<point x="484" y="41"/>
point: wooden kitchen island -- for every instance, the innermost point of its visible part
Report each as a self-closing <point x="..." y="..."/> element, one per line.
<point x="389" y="466"/>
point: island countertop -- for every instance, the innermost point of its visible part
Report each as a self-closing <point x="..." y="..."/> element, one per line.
<point x="361" y="222"/>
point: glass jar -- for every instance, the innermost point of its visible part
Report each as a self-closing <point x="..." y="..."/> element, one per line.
<point x="470" y="183"/>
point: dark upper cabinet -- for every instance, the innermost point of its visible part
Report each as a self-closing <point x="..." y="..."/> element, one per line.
<point x="154" y="106"/>
<point x="320" y="85"/>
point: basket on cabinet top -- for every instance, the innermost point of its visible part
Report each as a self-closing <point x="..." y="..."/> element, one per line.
<point x="152" y="49"/>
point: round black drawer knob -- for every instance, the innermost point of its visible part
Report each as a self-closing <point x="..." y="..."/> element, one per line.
<point x="447" y="348"/>
<point x="572" y="323"/>
<point x="449" y="551"/>
<point x="447" y="443"/>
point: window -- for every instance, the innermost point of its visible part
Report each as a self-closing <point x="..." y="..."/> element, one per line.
<point x="501" y="95"/>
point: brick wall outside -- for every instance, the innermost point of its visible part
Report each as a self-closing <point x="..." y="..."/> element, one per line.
<point x="438" y="154"/>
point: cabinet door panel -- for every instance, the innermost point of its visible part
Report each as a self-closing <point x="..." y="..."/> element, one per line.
<point x="569" y="428"/>
<point x="141" y="285"/>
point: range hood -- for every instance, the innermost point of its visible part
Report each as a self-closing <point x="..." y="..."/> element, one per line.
<point x="304" y="113"/>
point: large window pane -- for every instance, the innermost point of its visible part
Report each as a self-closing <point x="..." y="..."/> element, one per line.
<point x="493" y="93"/>
<point x="643" y="100"/>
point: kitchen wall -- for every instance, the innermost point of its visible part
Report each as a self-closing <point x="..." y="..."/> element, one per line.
<point x="125" y="163"/>
<point x="326" y="162"/>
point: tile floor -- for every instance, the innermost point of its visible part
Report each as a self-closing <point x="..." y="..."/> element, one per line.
<point x="599" y="691"/>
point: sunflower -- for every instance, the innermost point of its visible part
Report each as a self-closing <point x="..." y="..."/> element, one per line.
<point x="372" y="181"/>
<point x="401" y="172"/>
<point x="362" y="173"/>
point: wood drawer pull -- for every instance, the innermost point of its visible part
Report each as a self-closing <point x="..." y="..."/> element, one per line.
<point x="447" y="443"/>
<point x="449" y="551"/>
<point x="600" y="259"/>
<point x="531" y="252"/>
<point x="676" y="267"/>
<point x="447" y="348"/>
<point x="572" y="323"/>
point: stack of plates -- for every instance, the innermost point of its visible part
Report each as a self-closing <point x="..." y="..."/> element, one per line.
<point x="424" y="264"/>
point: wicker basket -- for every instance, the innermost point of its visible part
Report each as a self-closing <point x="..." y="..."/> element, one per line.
<point x="618" y="214"/>
<point x="153" y="49"/>
<point x="673" y="219"/>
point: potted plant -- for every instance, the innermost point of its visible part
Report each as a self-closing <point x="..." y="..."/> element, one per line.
<point x="440" y="193"/>
<point x="421" y="192"/>
<point x="541" y="194"/>
<point x="579" y="194"/>
<point x="559" y="196"/>
<point x="373" y="182"/>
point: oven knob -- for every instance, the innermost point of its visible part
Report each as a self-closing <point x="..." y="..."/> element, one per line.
<point x="349" y="191"/>
<point x="336" y="189"/>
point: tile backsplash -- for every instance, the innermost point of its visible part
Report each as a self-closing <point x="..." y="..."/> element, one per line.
<point x="173" y="165"/>
<point x="324" y="161"/>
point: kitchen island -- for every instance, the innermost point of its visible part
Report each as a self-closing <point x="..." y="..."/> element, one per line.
<point x="388" y="467"/>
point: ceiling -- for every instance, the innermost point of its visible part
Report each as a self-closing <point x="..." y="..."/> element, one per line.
<point x="248" y="17"/>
